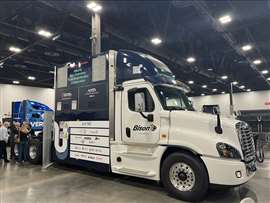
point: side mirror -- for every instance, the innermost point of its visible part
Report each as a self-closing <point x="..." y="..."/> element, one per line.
<point x="139" y="102"/>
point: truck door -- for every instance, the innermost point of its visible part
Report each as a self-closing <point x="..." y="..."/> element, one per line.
<point x="140" y="115"/>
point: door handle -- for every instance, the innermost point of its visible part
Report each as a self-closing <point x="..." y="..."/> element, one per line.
<point x="128" y="132"/>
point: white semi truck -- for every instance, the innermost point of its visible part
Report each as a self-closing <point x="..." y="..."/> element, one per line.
<point x="124" y="112"/>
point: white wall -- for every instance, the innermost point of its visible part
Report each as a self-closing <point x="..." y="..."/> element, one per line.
<point x="10" y="93"/>
<point x="242" y="101"/>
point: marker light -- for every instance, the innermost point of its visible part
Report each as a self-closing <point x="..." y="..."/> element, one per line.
<point x="225" y="19"/>
<point x="15" y="49"/>
<point x="156" y="41"/>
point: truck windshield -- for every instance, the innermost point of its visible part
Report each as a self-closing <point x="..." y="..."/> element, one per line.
<point x="172" y="98"/>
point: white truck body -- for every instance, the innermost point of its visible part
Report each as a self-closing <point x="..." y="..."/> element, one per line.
<point x="130" y="144"/>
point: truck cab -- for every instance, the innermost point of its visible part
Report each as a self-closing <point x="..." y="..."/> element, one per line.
<point x="125" y="113"/>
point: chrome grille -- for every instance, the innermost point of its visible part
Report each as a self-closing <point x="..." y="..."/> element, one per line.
<point x="247" y="144"/>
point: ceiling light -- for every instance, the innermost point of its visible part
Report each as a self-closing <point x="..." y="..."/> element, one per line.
<point x="1" y="64"/>
<point x="94" y="6"/>
<point x="268" y="79"/>
<point x="224" y="77"/>
<point x="210" y="69"/>
<point x="204" y="86"/>
<point x="234" y="82"/>
<point x="15" y="49"/>
<point x="191" y="59"/>
<point x="257" y="62"/>
<point x="156" y="41"/>
<point x="246" y="47"/>
<point x="225" y="19"/>
<point x="202" y="94"/>
<point x="264" y="72"/>
<point x="45" y="33"/>
<point x="16" y="82"/>
<point x="214" y="90"/>
<point x="31" y="78"/>
<point x="223" y="92"/>
<point x="248" y="90"/>
<point x="191" y="82"/>
<point x="242" y="87"/>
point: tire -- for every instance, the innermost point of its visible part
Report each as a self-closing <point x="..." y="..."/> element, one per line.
<point x="185" y="177"/>
<point x="34" y="151"/>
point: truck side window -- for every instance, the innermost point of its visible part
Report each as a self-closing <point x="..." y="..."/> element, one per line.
<point x="148" y="100"/>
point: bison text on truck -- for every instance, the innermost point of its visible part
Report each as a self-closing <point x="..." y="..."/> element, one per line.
<point x="124" y="112"/>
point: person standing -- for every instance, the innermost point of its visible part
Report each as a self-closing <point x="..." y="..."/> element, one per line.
<point x="23" y="137"/>
<point x="3" y="141"/>
<point x="14" y="135"/>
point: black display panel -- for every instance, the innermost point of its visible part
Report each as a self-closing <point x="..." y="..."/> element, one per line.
<point x="81" y="98"/>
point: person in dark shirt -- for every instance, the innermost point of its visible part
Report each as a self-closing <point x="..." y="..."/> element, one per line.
<point x="14" y="134"/>
<point x="23" y="135"/>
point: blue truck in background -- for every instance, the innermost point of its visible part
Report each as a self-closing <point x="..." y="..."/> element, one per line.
<point x="33" y="113"/>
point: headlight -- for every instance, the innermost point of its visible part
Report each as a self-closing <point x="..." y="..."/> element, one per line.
<point x="227" y="151"/>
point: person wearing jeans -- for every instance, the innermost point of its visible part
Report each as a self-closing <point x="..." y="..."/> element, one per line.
<point x="24" y="132"/>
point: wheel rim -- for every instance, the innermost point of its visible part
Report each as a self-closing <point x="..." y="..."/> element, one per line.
<point x="32" y="152"/>
<point x="182" y="176"/>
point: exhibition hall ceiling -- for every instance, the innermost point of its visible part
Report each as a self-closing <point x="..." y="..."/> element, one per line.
<point x="207" y="44"/>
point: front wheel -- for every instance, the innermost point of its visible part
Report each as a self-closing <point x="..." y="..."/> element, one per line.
<point x="35" y="151"/>
<point x="184" y="176"/>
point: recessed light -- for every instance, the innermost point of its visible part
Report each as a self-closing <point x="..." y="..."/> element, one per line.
<point x="31" y="78"/>
<point x="191" y="59"/>
<point x="204" y="86"/>
<point x="264" y="72"/>
<point x="156" y="41"/>
<point x="246" y="47"/>
<point x="223" y="92"/>
<point x="202" y="94"/>
<point x="224" y="77"/>
<point x="248" y="90"/>
<point x="214" y="90"/>
<point x="210" y="69"/>
<point x="242" y="87"/>
<point x="94" y="6"/>
<point x="16" y="82"/>
<point x="257" y="62"/>
<point x="45" y="33"/>
<point x="15" y="49"/>
<point x="191" y="82"/>
<point x="268" y="79"/>
<point x="225" y="19"/>
<point x="234" y="82"/>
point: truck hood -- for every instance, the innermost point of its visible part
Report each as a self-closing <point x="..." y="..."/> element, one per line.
<point x="197" y="131"/>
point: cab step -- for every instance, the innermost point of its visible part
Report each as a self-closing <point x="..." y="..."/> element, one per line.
<point x="135" y="172"/>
